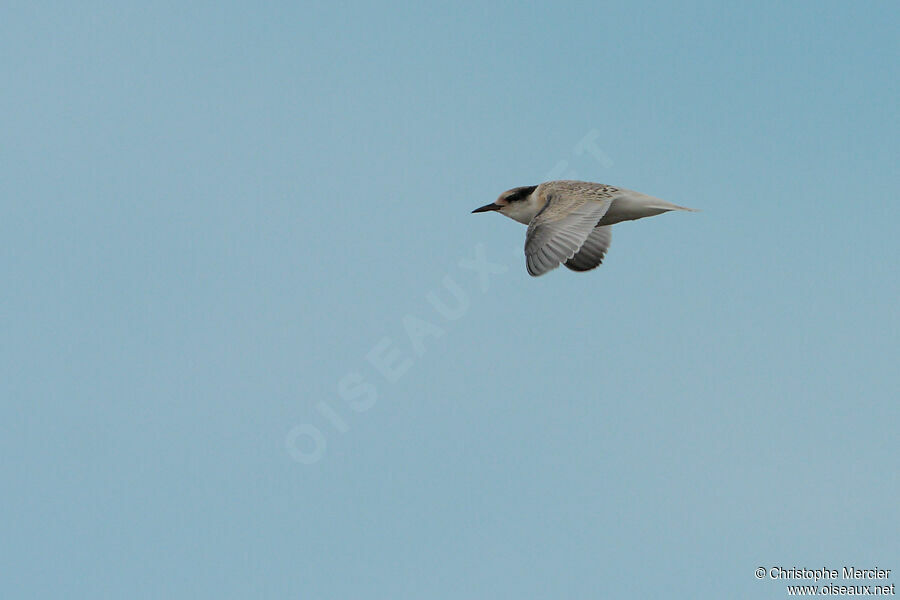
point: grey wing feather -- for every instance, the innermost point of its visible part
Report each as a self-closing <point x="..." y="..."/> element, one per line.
<point x="591" y="253"/>
<point x="557" y="232"/>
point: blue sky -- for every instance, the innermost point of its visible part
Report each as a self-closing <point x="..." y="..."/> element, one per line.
<point x="256" y="346"/>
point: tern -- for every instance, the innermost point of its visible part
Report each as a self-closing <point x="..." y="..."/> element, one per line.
<point x="569" y="222"/>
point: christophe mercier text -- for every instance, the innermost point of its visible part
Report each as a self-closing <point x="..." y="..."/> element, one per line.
<point x="820" y="574"/>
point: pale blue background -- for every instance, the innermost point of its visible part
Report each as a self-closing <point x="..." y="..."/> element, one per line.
<point x="212" y="212"/>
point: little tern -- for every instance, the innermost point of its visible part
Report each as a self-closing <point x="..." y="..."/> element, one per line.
<point x="569" y="222"/>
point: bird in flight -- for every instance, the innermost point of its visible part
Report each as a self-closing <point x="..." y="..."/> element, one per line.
<point x="569" y="222"/>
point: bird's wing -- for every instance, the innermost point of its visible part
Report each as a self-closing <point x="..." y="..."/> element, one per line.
<point x="557" y="232"/>
<point x="591" y="253"/>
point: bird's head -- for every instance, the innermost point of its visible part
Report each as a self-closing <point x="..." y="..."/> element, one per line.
<point x="506" y="203"/>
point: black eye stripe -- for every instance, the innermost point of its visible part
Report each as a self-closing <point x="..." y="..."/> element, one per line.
<point x="520" y="193"/>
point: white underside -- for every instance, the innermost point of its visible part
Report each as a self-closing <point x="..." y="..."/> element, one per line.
<point x="628" y="209"/>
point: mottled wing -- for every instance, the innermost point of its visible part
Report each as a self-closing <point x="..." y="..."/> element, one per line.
<point x="591" y="253"/>
<point x="559" y="230"/>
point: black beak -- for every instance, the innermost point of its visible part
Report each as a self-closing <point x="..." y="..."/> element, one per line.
<point x="487" y="207"/>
